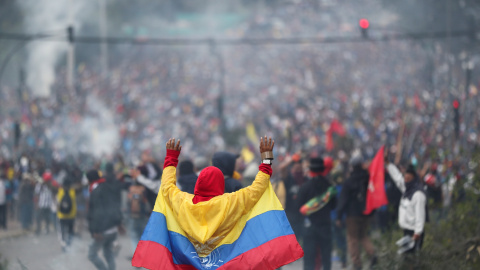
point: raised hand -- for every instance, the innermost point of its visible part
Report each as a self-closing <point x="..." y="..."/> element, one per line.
<point x="172" y="146"/>
<point x="266" y="145"/>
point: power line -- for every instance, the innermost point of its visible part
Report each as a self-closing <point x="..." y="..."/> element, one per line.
<point x="234" y="42"/>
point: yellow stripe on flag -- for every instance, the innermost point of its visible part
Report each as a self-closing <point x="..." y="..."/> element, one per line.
<point x="209" y="215"/>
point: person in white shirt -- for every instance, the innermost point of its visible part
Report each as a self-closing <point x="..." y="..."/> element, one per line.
<point x="412" y="213"/>
<point x="44" y="198"/>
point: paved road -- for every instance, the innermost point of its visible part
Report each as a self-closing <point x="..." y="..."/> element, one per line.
<point x="43" y="252"/>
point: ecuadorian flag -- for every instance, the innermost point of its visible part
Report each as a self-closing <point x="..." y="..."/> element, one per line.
<point x="247" y="229"/>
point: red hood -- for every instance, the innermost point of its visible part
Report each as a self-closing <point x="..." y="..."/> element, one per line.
<point x="210" y="183"/>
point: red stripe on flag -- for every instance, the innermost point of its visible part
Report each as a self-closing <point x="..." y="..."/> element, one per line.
<point x="153" y="256"/>
<point x="376" y="196"/>
<point x="268" y="255"/>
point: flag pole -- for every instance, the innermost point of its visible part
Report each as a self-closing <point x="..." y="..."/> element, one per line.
<point x="398" y="155"/>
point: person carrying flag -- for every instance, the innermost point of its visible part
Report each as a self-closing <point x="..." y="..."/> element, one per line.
<point x="210" y="229"/>
<point x="318" y="191"/>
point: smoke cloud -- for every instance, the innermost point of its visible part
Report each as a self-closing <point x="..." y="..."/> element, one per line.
<point x="49" y="17"/>
<point x="100" y="131"/>
<point x="95" y="132"/>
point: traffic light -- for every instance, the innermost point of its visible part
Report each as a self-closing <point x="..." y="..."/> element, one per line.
<point x="456" y="117"/>
<point x="364" y="24"/>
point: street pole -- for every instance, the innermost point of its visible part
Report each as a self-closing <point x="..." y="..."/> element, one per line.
<point x="221" y="84"/>
<point x="466" y="118"/>
<point x="7" y="60"/>
<point x="71" y="62"/>
<point x="71" y="53"/>
<point x="103" y="45"/>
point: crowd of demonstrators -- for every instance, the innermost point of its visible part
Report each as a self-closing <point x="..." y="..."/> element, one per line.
<point x="53" y="195"/>
<point x="353" y="227"/>
<point x="373" y="89"/>
<point x="391" y="93"/>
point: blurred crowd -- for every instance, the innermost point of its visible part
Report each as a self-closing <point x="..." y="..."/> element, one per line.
<point x="290" y="91"/>
<point x="315" y="100"/>
<point x="35" y="194"/>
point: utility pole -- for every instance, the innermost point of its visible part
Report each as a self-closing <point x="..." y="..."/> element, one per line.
<point x="71" y="53"/>
<point x="468" y="78"/>
<point x="71" y="62"/>
<point x="103" y="45"/>
<point x="221" y="84"/>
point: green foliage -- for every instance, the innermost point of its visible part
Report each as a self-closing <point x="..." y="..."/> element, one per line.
<point x="3" y="263"/>
<point x="451" y="242"/>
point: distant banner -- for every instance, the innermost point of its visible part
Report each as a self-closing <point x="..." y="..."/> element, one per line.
<point x="376" y="196"/>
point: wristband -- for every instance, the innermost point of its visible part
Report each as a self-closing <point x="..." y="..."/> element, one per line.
<point x="267" y="155"/>
<point x="267" y="161"/>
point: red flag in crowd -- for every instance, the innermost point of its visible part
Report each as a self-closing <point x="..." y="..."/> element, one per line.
<point x="376" y="196"/>
<point x="417" y="102"/>
<point x="335" y="127"/>
<point x="329" y="142"/>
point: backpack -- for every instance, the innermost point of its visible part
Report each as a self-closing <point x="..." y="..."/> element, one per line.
<point x="137" y="201"/>
<point x="66" y="203"/>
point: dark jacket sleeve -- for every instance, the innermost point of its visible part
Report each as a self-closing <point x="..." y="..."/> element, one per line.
<point x="333" y="202"/>
<point x="343" y="200"/>
<point x="91" y="209"/>
<point x="238" y="185"/>
<point x="302" y="197"/>
<point x="232" y="185"/>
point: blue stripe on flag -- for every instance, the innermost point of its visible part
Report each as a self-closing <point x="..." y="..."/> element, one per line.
<point x="257" y="231"/>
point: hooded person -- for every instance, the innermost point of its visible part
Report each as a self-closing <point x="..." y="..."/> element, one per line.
<point x="319" y="234"/>
<point x="67" y="211"/>
<point x="112" y="181"/>
<point x="200" y="163"/>
<point x="225" y="161"/>
<point x="352" y="204"/>
<point x="211" y="229"/>
<point x="412" y="213"/>
<point x="187" y="178"/>
<point x="104" y="219"/>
